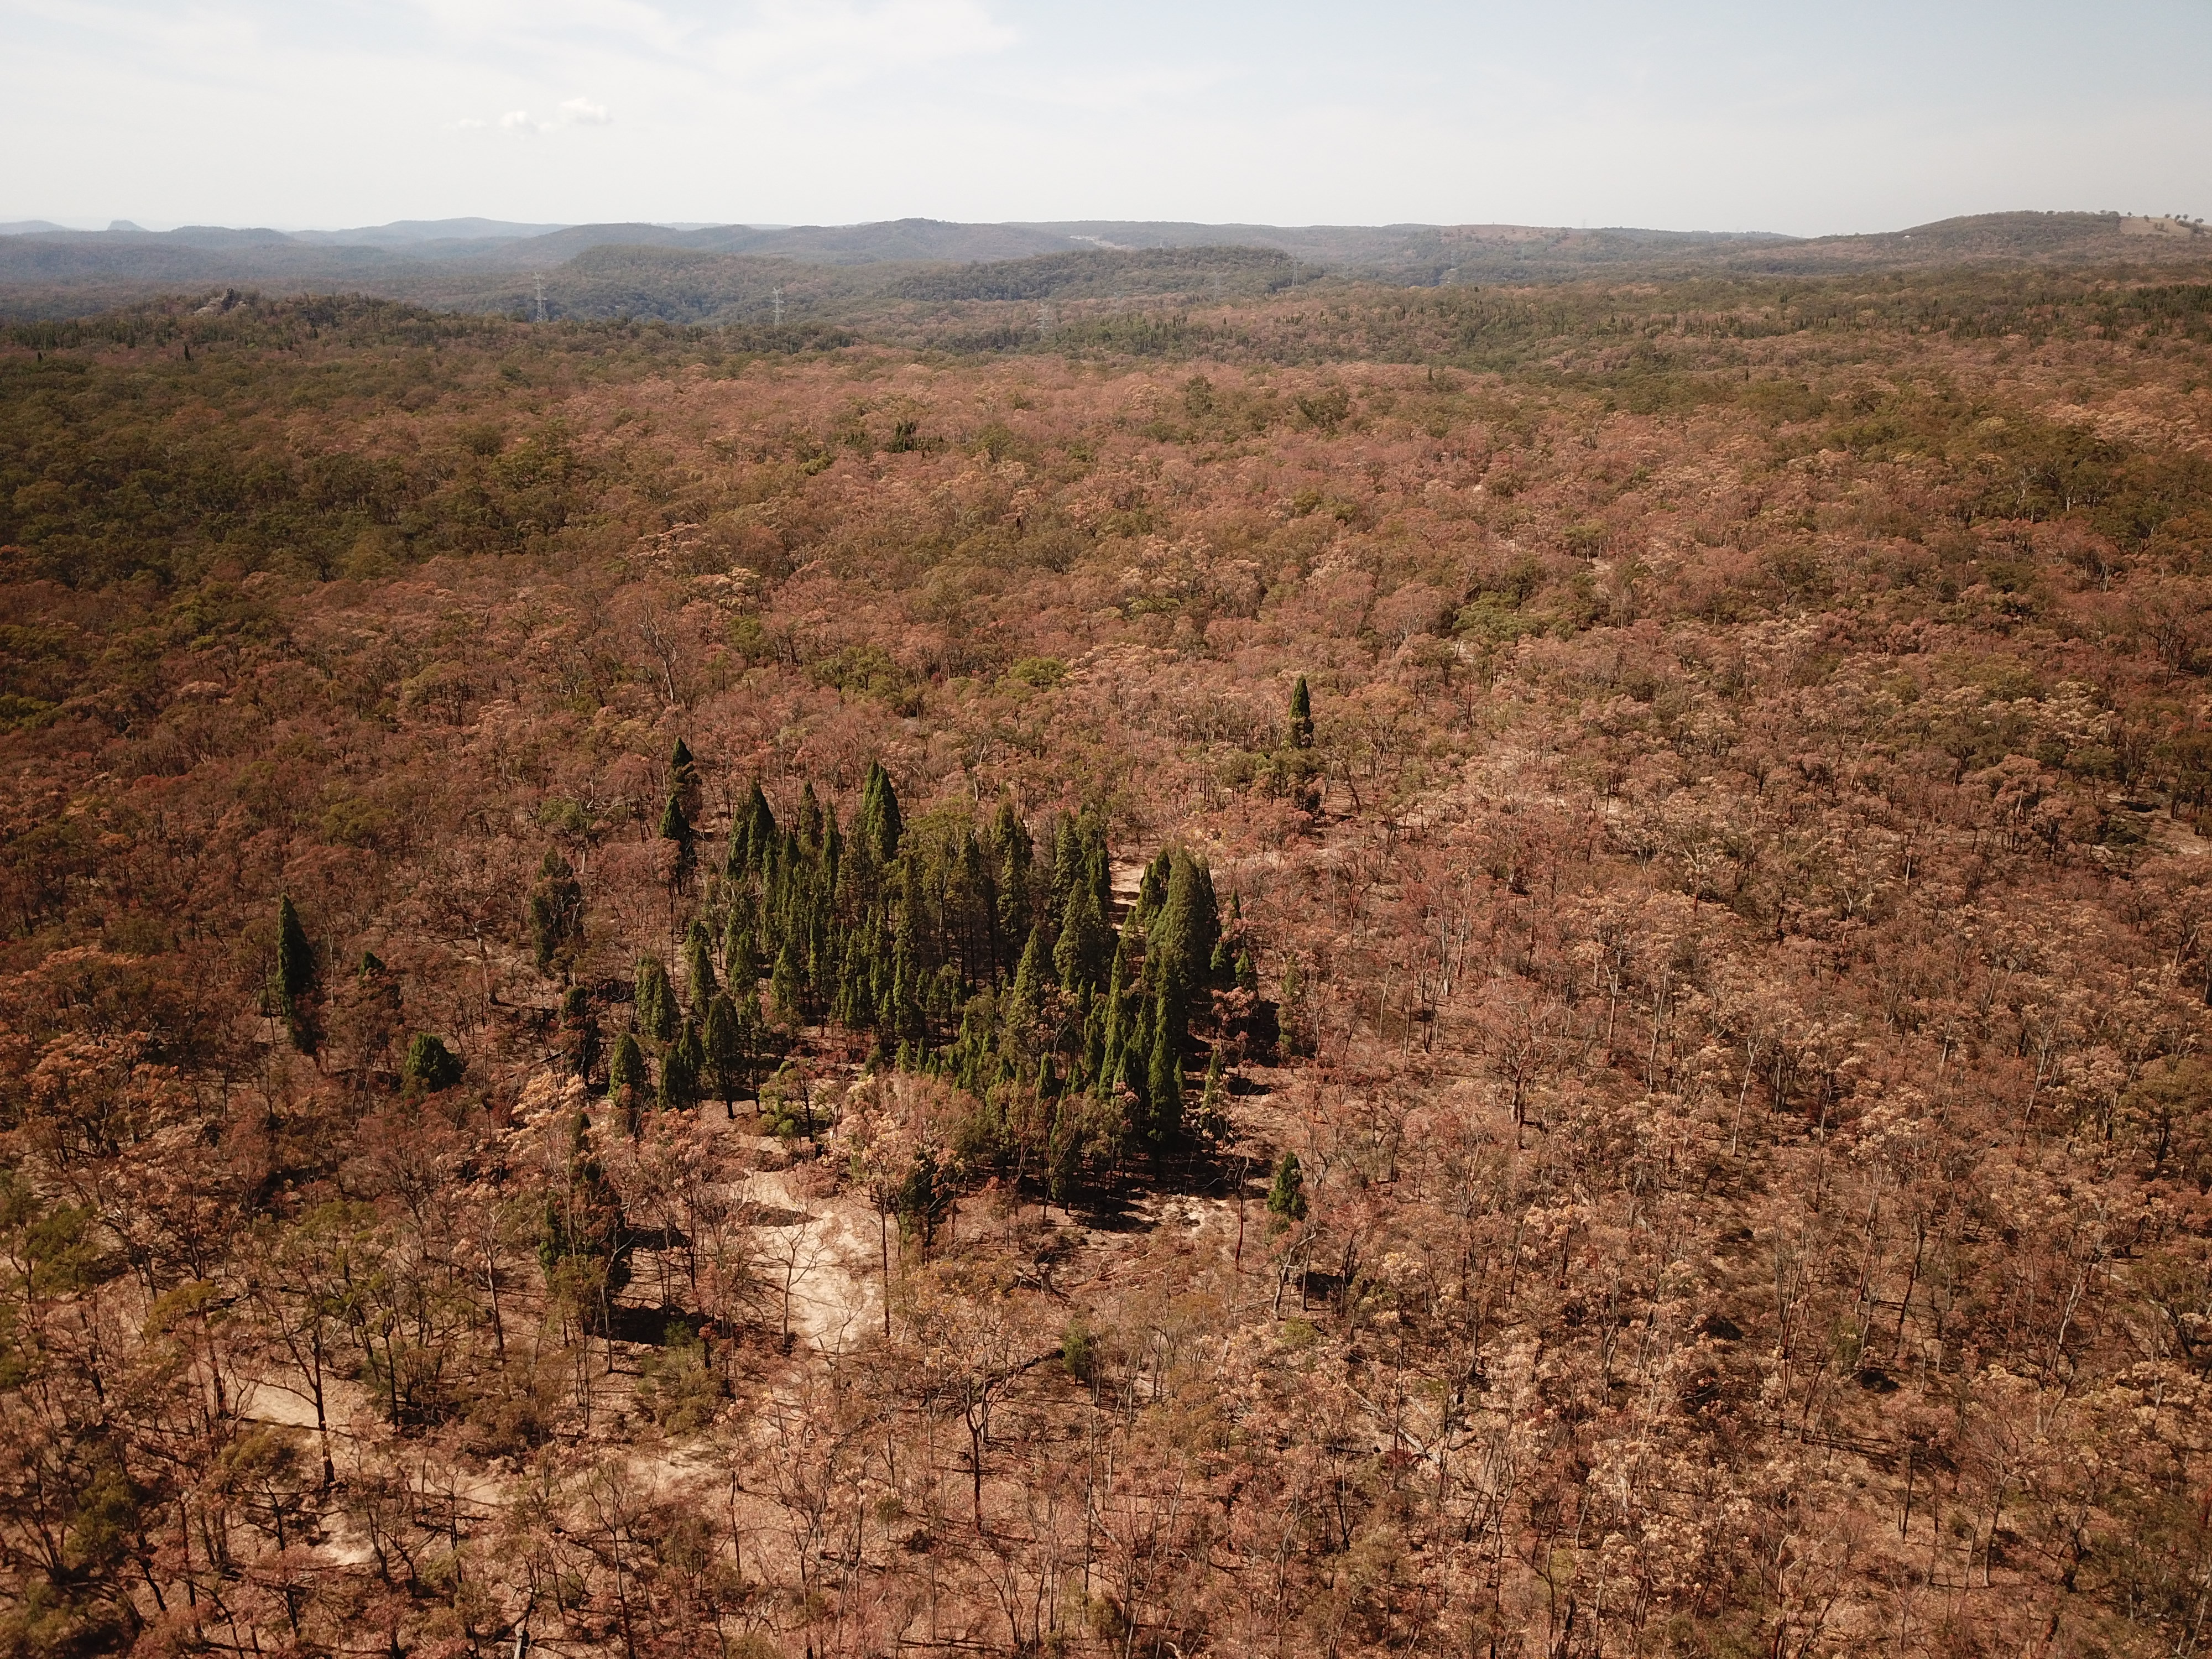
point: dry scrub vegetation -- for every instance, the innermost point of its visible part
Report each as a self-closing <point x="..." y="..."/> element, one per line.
<point x="1696" y="1139"/>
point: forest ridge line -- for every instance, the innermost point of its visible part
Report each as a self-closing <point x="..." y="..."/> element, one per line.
<point x="482" y="264"/>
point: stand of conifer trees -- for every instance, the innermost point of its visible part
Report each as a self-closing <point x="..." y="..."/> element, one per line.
<point x="955" y="948"/>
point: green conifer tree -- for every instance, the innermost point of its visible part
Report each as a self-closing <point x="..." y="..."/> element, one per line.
<point x="1090" y="1059"/>
<point x="685" y="786"/>
<point x="556" y="914"/>
<point x="679" y="1072"/>
<point x="1016" y="857"/>
<point x="923" y="1199"/>
<point x="296" y="976"/>
<point x="1134" y="1074"/>
<point x="741" y="957"/>
<point x="1026" y="999"/>
<point x="1212" y="1124"/>
<point x="676" y="824"/>
<point x="1302" y="726"/>
<point x="1098" y="864"/>
<point x="784" y="983"/>
<point x="628" y="1079"/>
<point x="580" y="1032"/>
<point x="429" y="1065"/>
<point x="1152" y="889"/>
<point x="881" y="825"/>
<point x="1287" y="1197"/>
<point x="1086" y="944"/>
<point x="1113" y="998"/>
<point x="752" y="835"/>
<point x="1163" y="1079"/>
<point x="971" y="902"/>
<point x="1295" y="1035"/>
<point x="1067" y="859"/>
<point x="699" y="983"/>
<point x="295" y="956"/>
<point x="656" y="1000"/>
<point x="1183" y="936"/>
<point x="725" y="1040"/>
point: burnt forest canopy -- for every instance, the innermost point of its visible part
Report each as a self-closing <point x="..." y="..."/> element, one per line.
<point x="1106" y="939"/>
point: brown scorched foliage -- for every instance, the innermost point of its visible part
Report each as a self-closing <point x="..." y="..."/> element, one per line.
<point x="1697" y="1140"/>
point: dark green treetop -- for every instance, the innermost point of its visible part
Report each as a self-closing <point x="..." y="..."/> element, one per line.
<point x="429" y="1065"/>
<point x="1302" y="726"/>
<point x="754" y="835"/>
<point x="295" y="956"/>
<point x="699" y="983"/>
<point x="880" y="826"/>
<point x="680" y="1070"/>
<point x="556" y="914"/>
<point x="676" y="823"/>
<point x="656" y="999"/>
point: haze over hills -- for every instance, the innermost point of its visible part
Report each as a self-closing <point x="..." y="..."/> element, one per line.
<point x="476" y="264"/>
<point x="406" y="233"/>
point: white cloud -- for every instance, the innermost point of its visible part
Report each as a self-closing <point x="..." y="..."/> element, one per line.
<point x="572" y="112"/>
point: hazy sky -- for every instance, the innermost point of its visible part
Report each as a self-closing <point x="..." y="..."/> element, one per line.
<point x="1715" y="116"/>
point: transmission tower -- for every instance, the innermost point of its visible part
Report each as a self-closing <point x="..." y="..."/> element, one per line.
<point x="541" y="297"/>
<point x="775" y="299"/>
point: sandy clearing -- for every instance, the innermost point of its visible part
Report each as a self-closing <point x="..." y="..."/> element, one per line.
<point x="826" y="1255"/>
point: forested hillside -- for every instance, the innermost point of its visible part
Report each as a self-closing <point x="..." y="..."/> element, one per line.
<point x="1310" y="968"/>
<point x="843" y="274"/>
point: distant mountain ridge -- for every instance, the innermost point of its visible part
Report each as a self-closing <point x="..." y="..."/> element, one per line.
<point x="897" y="239"/>
<point x="408" y="232"/>
<point x="936" y="240"/>
<point x="473" y="263"/>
